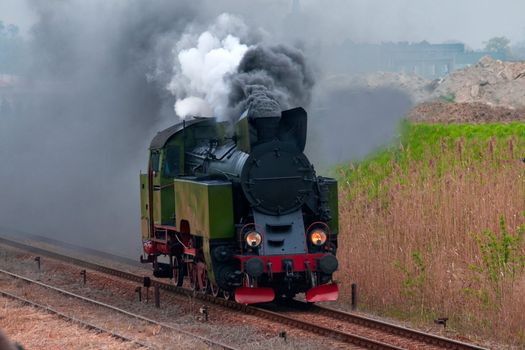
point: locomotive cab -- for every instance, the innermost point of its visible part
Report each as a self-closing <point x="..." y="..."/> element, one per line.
<point x="240" y="209"/>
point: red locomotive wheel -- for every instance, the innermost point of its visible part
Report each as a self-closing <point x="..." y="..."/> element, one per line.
<point x="204" y="280"/>
<point x="214" y="289"/>
<point x="192" y="276"/>
<point x="178" y="272"/>
<point x="227" y="295"/>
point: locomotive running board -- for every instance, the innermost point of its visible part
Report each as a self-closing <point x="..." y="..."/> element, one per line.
<point x="245" y="295"/>
<point x="325" y="292"/>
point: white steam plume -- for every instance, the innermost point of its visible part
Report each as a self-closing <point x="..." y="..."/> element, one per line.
<point x="201" y="65"/>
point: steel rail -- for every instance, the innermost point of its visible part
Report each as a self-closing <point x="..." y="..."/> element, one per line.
<point x="71" y="319"/>
<point x="391" y="328"/>
<point x="270" y="315"/>
<point x="262" y="313"/>
<point x="119" y="310"/>
<point x="346" y="337"/>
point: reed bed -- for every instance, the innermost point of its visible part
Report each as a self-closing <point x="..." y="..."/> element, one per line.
<point x="434" y="228"/>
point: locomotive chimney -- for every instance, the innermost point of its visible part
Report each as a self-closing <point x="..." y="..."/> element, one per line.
<point x="265" y="113"/>
<point x="267" y="128"/>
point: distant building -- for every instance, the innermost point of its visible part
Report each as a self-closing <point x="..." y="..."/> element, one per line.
<point x="425" y="59"/>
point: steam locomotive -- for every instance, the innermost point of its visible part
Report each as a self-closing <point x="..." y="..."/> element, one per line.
<point x="237" y="209"/>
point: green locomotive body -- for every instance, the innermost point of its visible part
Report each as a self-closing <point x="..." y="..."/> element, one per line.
<point x="238" y="209"/>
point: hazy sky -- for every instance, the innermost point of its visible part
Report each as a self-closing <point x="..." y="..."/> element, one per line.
<point x="76" y="140"/>
<point x="17" y="12"/>
<point x="470" y="21"/>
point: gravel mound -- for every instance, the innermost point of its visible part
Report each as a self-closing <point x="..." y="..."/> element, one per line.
<point x="474" y="112"/>
<point x="492" y="82"/>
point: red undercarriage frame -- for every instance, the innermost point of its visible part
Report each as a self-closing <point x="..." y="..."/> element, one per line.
<point x="298" y="261"/>
<point x="161" y="245"/>
<point x="254" y="295"/>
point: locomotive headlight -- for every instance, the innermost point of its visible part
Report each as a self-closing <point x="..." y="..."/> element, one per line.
<point x="253" y="239"/>
<point x="318" y="237"/>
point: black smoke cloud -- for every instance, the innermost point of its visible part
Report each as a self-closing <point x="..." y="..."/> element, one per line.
<point x="94" y="93"/>
<point x="346" y="120"/>
<point x="271" y="78"/>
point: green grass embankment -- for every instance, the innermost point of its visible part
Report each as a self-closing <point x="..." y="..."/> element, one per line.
<point x="431" y="143"/>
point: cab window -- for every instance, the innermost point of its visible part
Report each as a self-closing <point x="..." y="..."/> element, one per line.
<point x="171" y="162"/>
<point x="155" y="157"/>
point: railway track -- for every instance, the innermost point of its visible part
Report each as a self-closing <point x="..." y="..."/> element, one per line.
<point x="406" y="338"/>
<point x="390" y="328"/>
<point x="71" y="319"/>
<point x="389" y="333"/>
<point x="161" y="325"/>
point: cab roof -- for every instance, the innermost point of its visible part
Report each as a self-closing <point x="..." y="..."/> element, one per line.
<point x="162" y="137"/>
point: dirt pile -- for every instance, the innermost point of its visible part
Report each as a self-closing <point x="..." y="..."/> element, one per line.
<point x="489" y="91"/>
<point x="473" y="112"/>
<point x="492" y="82"/>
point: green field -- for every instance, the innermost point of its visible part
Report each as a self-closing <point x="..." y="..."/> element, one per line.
<point x="430" y="143"/>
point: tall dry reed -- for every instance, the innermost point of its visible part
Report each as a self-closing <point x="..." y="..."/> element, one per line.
<point x="413" y="250"/>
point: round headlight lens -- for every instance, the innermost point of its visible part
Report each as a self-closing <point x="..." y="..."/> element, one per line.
<point x="318" y="237"/>
<point x="253" y="239"/>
